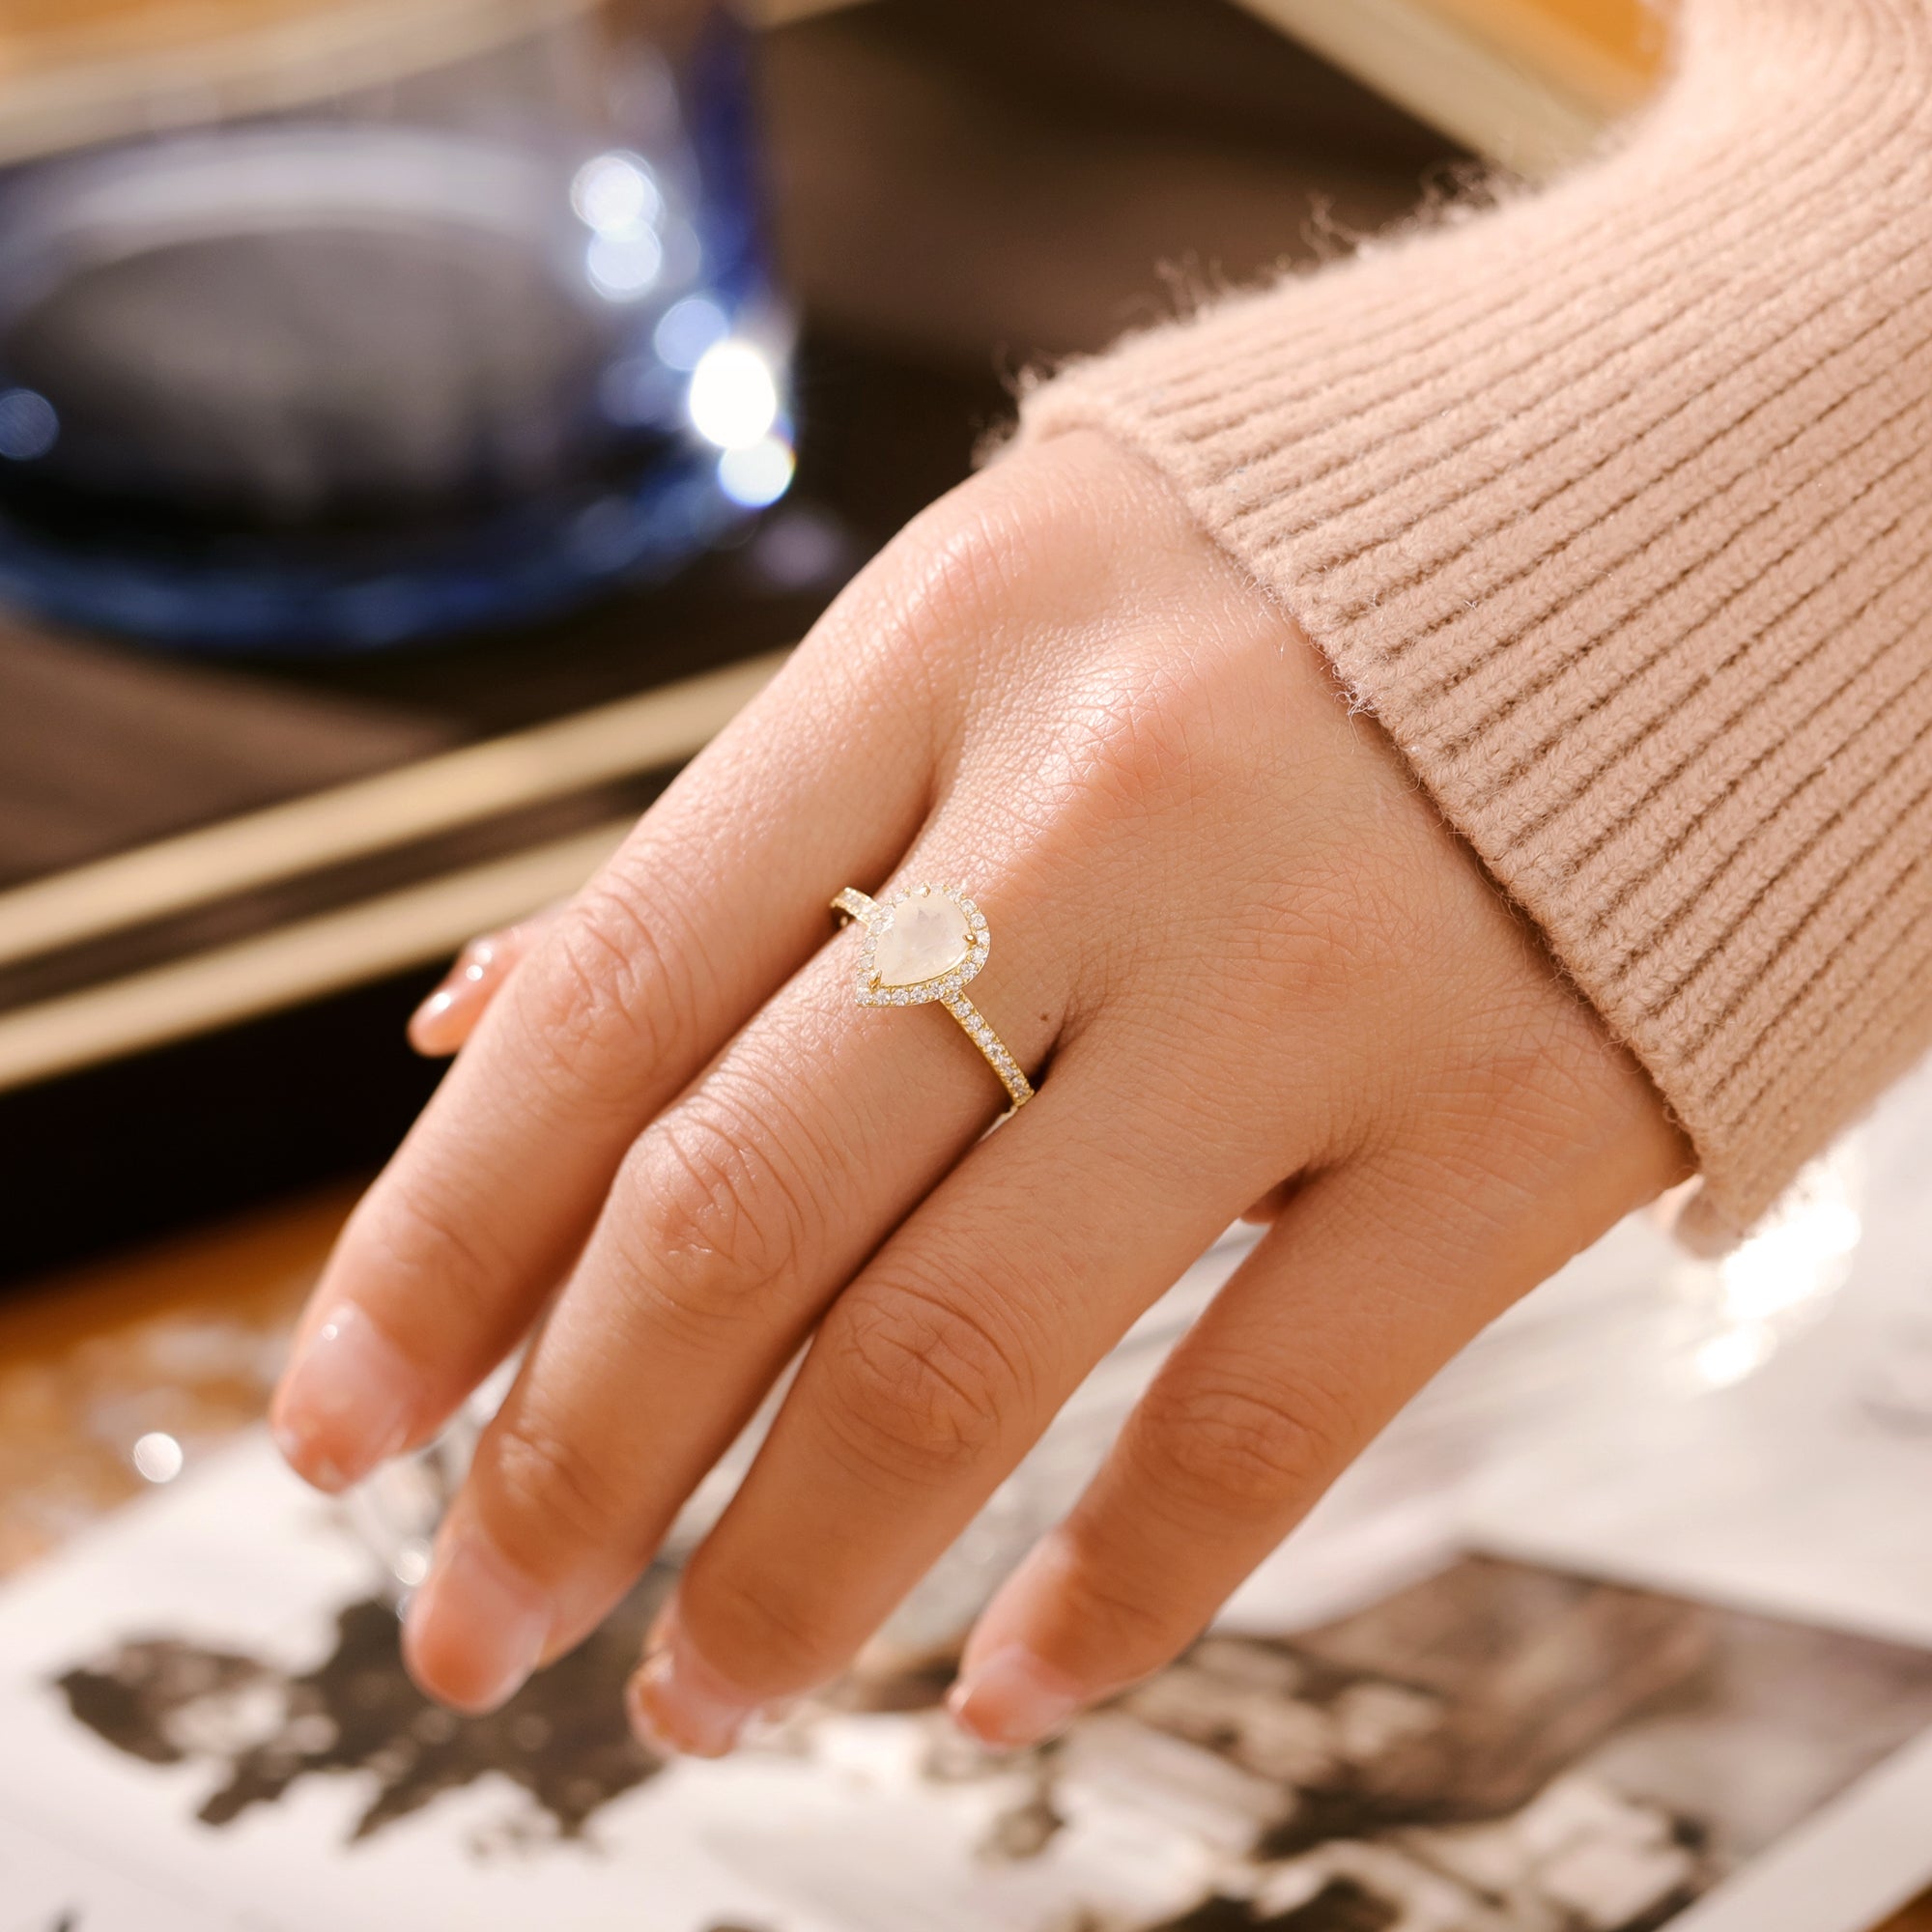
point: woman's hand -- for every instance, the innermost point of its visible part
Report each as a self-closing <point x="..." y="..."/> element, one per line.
<point x="1246" y="963"/>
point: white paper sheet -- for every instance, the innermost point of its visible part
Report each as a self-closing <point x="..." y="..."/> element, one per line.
<point x="1773" y="1771"/>
<point x="861" y="1822"/>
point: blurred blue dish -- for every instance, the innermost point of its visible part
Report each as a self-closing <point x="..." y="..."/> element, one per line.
<point x="443" y="319"/>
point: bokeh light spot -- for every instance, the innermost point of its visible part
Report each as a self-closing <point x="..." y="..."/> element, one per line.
<point x="686" y="329"/>
<point x="614" y="192"/>
<point x="622" y="267"/>
<point x="157" y="1457"/>
<point x="734" y="397"/>
<point x="757" y="475"/>
<point x="29" y="426"/>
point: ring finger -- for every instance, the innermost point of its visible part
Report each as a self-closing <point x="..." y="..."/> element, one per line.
<point x="936" y="1371"/>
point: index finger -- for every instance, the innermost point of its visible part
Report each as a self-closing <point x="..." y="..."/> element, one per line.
<point x="713" y="901"/>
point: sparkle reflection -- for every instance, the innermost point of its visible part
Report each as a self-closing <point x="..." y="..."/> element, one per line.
<point x="622" y="267"/>
<point x="1783" y="1275"/>
<point x="157" y="1457"/>
<point x="734" y="397"/>
<point x="759" y="474"/>
<point x="29" y="426"/>
<point x="616" y="192"/>
<point x="686" y="329"/>
<point x="617" y="198"/>
<point x="1783" y="1267"/>
<point x="1728" y="1358"/>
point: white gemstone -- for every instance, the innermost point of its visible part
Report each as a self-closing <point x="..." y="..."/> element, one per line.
<point x="928" y="936"/>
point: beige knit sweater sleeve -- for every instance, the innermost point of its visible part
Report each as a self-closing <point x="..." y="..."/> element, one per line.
<point x="1614" y="505"/>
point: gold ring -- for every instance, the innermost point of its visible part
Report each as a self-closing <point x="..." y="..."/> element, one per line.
<point x="924" y="944"/>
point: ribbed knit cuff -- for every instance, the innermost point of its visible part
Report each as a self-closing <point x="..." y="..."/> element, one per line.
<point x="1614" y="505"/>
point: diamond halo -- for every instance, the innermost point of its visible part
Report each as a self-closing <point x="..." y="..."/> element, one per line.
<point x="867" y="986"/>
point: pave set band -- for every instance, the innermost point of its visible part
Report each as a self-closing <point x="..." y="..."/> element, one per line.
<point x="922" y="946"/>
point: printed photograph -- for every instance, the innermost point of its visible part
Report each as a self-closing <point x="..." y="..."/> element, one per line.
<point x="1499" y="1748"/>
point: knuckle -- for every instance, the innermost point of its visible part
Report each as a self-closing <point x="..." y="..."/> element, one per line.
<point x="933" y="604"/>
<point x="1559" y="1066"/>
<point x="785" y="1633"/>
<point x="967" y="578"/>
<point x="1532" y="1083"/>
<point x="1135" y="1620"/>
<point x="715" y="1214"/>
<point x="1316" y="946"/>
<point x="986" y="551"/>
<point x="918" y="1386"/>
<point x="426" y="1242"/>
<point x="608" y="986"/>
<point x="547" y="1490"/>
<point x="1149" y="738"/>
<point x="1235" y="1452"/>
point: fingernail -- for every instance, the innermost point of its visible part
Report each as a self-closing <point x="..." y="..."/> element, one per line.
<point x="477" y="1626"/>
<point x="443" y="1022"/>
<point x="662" y="1625"/>
<point x="1012" y="1699"/>
<point x="346" y="1401"/>
<point x="679" y="1703"/>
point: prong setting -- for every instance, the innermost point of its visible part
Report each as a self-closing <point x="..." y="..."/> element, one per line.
<point x="957" y="939"/>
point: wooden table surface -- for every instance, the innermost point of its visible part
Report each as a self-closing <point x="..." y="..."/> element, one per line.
<point x="184" y="1339"/>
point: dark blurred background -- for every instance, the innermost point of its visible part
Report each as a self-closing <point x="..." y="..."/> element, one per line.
<point x="955" y="190"/>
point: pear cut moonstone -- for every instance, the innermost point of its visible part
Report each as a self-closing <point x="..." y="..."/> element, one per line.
<point x="928" y="936"/>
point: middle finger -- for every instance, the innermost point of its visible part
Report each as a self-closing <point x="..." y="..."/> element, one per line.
<point x="734" y="1218"/>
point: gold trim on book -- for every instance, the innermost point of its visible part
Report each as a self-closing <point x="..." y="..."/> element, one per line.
<point x="658" y="728"/>
<point x="306" y="960"/>
<point x="1533" y="84"/>
<point x="79" y="74"/>
<point x="79" y="71"/>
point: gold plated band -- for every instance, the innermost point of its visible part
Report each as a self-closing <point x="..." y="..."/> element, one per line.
<point x="922" y="946"/>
